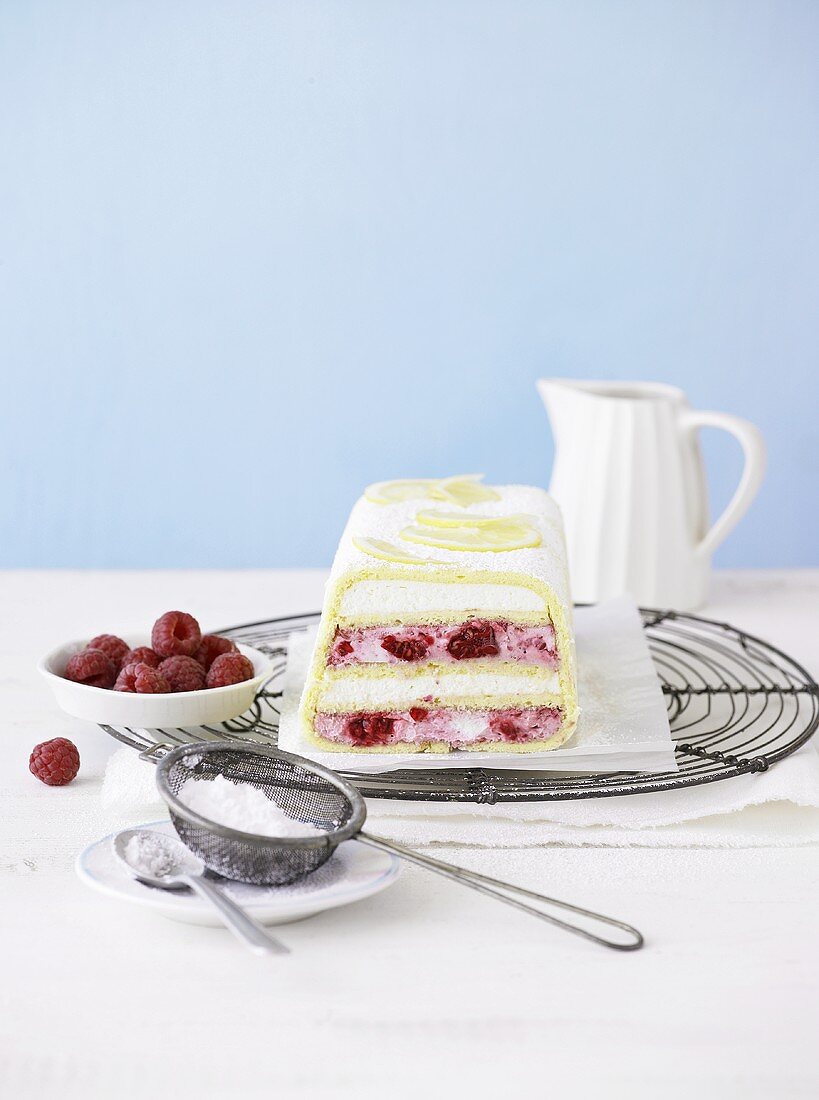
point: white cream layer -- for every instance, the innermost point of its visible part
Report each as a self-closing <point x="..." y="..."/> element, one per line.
<point x="391" y="599"/>
<point x="363" y="693"/>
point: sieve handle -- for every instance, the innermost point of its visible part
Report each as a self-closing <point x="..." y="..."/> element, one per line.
<point x="246" y="929"/>
<point x="501" y="891"/>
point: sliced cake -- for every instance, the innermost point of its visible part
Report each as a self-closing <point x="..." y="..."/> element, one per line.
<point x="446" y="624"/>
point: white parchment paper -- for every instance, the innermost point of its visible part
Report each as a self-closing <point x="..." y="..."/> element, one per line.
<point x="623" y="723"/>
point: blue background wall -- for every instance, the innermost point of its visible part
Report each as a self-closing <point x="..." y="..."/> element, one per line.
<point x="255" y="255"/>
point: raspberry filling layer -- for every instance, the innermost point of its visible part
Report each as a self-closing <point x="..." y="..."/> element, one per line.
<point x="475" y="638"/>
<point x="455" y="727"/>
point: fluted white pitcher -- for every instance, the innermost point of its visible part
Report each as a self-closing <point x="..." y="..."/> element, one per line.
<point x="629" y="478"/>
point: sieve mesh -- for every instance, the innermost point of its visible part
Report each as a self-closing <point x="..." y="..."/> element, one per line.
<point x="305" y="792"/>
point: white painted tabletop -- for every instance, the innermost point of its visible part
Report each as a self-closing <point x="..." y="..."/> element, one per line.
<point x="425" y="990"/>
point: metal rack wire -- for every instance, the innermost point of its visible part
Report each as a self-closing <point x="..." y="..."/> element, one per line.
<point x="736" y="705"/>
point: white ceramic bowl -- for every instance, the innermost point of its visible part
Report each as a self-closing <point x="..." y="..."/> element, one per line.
<point x="124" y="708"/>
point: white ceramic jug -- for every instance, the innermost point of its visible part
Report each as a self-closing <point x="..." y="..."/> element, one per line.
<point x="628" y="476"/>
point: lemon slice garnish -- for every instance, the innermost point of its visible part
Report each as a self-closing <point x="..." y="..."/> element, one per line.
<point x="506" y="534"/>
<point x="393" y="492"/>
<point x="430" y="517"/>
<point x="388" y="551"/>
<point x="465" y="490"/>
<point x="437" y="491"/>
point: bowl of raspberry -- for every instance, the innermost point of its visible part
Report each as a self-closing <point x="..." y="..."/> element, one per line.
<point x="176" y="676"/>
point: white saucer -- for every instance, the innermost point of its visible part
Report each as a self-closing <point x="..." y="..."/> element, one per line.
<point x="355" y="871"/>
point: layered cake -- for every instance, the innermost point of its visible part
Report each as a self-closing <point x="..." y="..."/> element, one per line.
<point x="446" y="624"/>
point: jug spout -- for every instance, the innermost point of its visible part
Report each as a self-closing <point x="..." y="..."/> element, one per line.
<point x="555" y="391"/>
<point x="559" y="396"/>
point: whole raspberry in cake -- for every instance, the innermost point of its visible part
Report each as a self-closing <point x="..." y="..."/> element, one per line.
<point x="211" y="647"/>
<point x="230" y="668"/>
<point x="369" y="729"/>
<point x="531" y="724"/>
<point x="142" y="679"/>
<point x="91" y="667"/>
<point x="113" y="647"/>
<point x="474" y="639"/>
<point x="55" y="762"/>
<point x="183" y="673"/>
<point x="142" y="655"/>
<point x="406" y="649"/>
<point x="342" y="648"/>
<point x="509" y="729"/>
<point x="176" y="634"/>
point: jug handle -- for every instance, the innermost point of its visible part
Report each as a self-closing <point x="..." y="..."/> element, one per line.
<point x="753" y="447"/>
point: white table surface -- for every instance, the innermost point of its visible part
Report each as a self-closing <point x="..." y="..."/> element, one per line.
<point x="425" y="990"/>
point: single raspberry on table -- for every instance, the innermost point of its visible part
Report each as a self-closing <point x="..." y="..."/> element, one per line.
<point x="176" y="634"/>
<point x="91" y="667"/>
<point x="474" y="639"/>
<point x="142" y="655"/>
<point x="211" y="647"/>
<point x="183" y="673"/>
<point x="230" y="668"/>
<point x="55" y="762"/>
<point x="142" y="679"/>
<point x="113" y="647"/>
<point x="405" y="649"/>
<point x="369" y="729"/>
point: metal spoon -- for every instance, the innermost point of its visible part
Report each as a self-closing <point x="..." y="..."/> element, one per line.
<point x="182" y="868"/>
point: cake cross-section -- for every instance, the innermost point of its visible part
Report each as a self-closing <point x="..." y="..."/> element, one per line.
<point x="446" y="624"/>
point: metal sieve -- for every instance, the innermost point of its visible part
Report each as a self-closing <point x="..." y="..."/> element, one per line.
<point x="317" y="796"/>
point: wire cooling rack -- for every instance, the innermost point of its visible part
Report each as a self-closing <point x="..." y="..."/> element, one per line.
<point x="735" y="705"/>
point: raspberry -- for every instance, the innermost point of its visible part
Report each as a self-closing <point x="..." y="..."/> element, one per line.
<point x="176" y="634"/>
<point x="183" y="673"/>
<point x="405" y="649"/>
<point x="418" y="714"/>
<point x="91" y="667"/>
<point x="369" y="729"/>
<point x="508" y="729"/>
<point x="474" y="639"/>
<point x="519" y="725"/>
<point x="142" y="655"/>
<point x="55" y="762"/>
<point x="113" y="647"/>
<point x="211" y="647"/>
<point x="142" y="679"/>
<point x="230" y="668"/>
<point x="342" y="648"/>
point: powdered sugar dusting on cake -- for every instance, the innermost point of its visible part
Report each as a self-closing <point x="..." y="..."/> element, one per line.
<point x="546" y="562"/>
